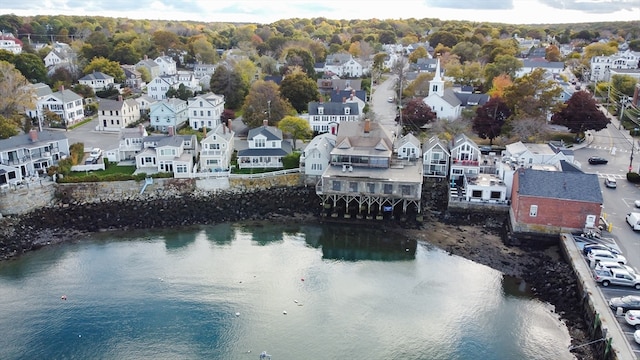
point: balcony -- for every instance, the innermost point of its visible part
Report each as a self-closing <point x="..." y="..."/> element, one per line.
<point x="466" y="162"/>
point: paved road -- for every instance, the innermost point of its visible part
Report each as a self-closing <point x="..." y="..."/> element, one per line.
<point x="385" y="112"/>
<point x="90" y="137"/>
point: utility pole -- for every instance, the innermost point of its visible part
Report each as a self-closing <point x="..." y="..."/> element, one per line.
<point x="623" y="104"/>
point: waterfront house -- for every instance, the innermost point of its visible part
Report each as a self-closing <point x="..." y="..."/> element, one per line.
<point x="29" y="155"/>
<point x="130" y="144"/>
<point x="364" y="178"/>
<point x="435" y="158"/>
<point x="408" y="147"/>
<point x="316" y="156"/>
<point x="168" y="153"/>
<point x="465" y="158"/>
<point x="266" y="148"/>
<point x="216" y="149"/>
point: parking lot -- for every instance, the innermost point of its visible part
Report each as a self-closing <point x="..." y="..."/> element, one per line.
<point x="613" y="291"/>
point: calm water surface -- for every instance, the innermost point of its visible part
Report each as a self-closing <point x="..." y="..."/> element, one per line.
<point x="221" y="292"/>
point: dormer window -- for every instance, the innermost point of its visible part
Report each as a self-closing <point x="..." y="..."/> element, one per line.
<point x="347" y="111"/>
<point x="321" y="110"/>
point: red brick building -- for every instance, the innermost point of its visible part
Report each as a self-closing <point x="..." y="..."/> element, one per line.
<point x="552" y="202"/>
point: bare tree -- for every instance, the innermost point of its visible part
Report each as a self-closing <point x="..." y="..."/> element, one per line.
<point x="530" y="129"/>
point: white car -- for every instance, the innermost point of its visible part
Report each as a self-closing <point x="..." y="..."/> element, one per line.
<point x="637" y="203"/>
<point x="603" y="255"/>
<point x="595" y="256"/>
<point x="615" y="265"/>
<point x="610" y="182"/>
<point x="636" y="336"/>
<point x="633" y="318"/>
<point x="95" y="153"/>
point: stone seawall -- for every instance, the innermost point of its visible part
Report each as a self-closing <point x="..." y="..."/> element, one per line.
<point x="64" y="221"/>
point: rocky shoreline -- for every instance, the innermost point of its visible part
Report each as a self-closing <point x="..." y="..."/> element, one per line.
<point x="477" y="238"/>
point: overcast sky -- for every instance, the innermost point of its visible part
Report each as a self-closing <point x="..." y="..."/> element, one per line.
<point x="265" y="11"/>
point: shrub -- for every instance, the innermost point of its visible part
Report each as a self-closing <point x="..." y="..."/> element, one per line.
<point x="633" y="177"/>
<point x="291" y="161"/>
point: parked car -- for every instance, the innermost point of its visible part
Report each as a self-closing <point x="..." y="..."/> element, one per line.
<point x="614" y="265"/>
<point x="605" y="255"/>
<point x="587" y="248"/>
<point x="633" y="318"/>
<point x="616" y="277"/>
<point x="637" y="203"/>
<point x="95" y="153"/>
<point x="636" y="336"/>
<point x="629" y="302"/>
<point x="390" y="99"/>
<point x="610" y="182"/>
<point x="597" y="160"/>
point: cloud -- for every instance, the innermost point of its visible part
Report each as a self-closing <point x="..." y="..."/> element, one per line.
<point x="593" y="6"/>
<point x="471" y="4"/>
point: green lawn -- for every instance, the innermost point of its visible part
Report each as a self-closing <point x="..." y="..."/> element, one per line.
<point x="111" y="169"/>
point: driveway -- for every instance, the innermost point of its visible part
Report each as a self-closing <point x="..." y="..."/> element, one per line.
<point x="90" y="137"/>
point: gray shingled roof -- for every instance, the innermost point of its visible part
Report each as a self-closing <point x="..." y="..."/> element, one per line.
<point x="96" y="75"/>
<point x="270" y="132"/>
<point x="333" y="108"/>
<point x="24" y="140"/>
<point x="571" y="185"/>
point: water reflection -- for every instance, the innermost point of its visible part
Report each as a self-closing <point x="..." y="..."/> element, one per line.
<point x="513" y="286"/>
<point x="354" y="244"/>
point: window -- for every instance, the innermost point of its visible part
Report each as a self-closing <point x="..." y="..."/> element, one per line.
<point x="406" y="189"/>
<point x="371" y="187"/>
<point x="496" y="195"/>
<point x="259" y="143"/>
<point x="320" y="110"/>
<point x="353" y="186"/>
<point x="533" y="211"/>
<point x="337" y="185"/>
<point x="457" y="171"/>
<point x="182" y="168"/>
<point x="476" y="194"/>
<point x="388" y="188"/>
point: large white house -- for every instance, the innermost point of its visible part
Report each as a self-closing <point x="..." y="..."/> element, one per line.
<point x="168" y="113"/>
<point x="114" y="115"/>
<point x="600" y="65"/>
<point x="28" y="155"/>
<point x="325" y="116"/>
<point x="216" y="149"/>
<point x="167" y="65"/>
<point x="344" y="64"/>
<point x="205" y="110"/>
<point x="97" y="81"/>
<point x="151" y="66"/>
<point x="64" y="103"/>
<point x="9" y="43"/>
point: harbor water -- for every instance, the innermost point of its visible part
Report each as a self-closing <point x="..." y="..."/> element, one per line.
<point x="232" y="291"/>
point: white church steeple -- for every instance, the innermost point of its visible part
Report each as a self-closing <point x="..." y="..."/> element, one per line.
<point x="436" y="86"/>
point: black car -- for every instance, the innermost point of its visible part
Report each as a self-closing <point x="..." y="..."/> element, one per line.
<point x="596" y="160"/>
<point x="629" y="302"/>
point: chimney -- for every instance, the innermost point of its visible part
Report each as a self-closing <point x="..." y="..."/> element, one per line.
<point x="146" y="57"/>
<point x="61" y="88"/>
<point x="204" y="131"/>
<point x="170" y="129"/>
<point x="265" y="122"/>
<point x="367" y="126"/>
<point x="229" y="124"/>
<point x="141" y="127"/>
<point x="33" y="135"/>
<point x="344" y="99"/>
<point x="120" y="98"/>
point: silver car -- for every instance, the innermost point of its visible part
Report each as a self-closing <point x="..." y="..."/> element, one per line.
<point x="616" y="277"/>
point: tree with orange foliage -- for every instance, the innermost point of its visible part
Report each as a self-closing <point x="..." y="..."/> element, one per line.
<point x="498" y="85"/>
